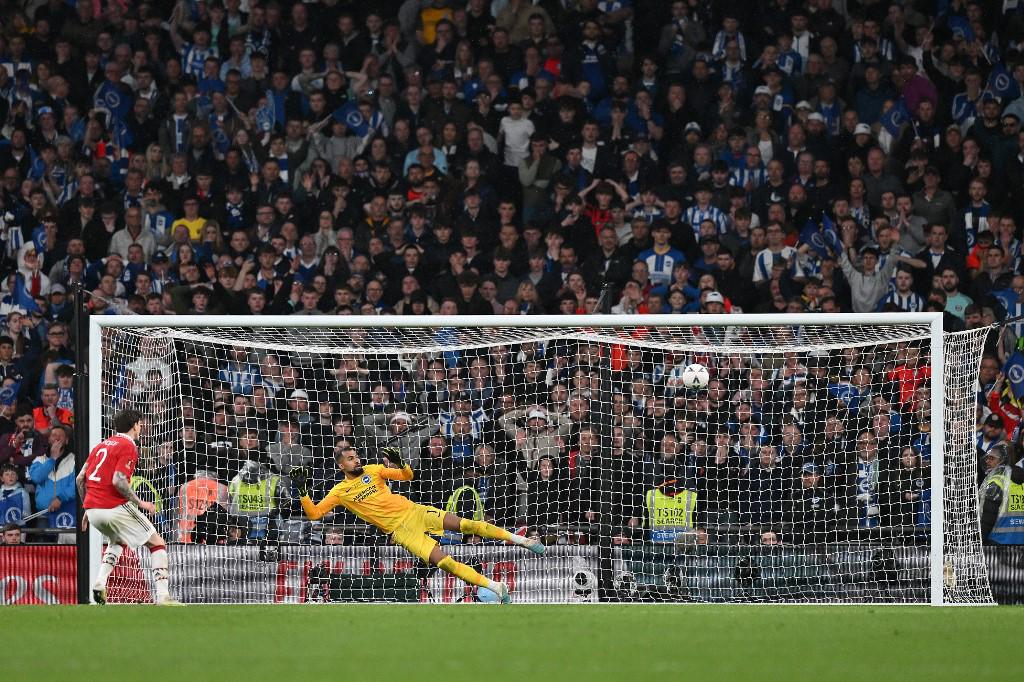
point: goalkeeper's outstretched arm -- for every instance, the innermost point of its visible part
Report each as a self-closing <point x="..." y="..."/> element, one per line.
<point x="314" y="512"/>
<point x="399" y="469"/>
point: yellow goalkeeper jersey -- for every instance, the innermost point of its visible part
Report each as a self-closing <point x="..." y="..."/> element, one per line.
<point x="368" y="497"/>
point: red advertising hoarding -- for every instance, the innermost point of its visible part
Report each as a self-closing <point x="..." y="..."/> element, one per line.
<point x="37" y="574"/>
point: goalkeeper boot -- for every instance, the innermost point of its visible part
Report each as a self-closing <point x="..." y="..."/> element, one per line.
<point x="535" y="546"/>
<point x="99" y="594"/>
<point x="504" y="595"/>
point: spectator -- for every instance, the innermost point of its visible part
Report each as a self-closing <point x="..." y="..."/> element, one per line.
<point x="288" y="452"/>
<point x="255" y="494"/>
<point x="11" y="534"/>
<point x="24" y="444"/>
<point x="14" y="499"/>
<point x="53" y="474"/>
<point x="49" y="415"/>
<point x="544" y="494"/>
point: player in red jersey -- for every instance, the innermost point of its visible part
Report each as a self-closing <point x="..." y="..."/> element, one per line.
<point x="104" y="483"/>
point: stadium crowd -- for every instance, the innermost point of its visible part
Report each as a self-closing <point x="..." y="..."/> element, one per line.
<point x="434" y="157"/>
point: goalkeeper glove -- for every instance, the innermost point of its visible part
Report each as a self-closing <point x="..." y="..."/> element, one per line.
<point x="394" y="455"/>
<point x="300" y="476"/>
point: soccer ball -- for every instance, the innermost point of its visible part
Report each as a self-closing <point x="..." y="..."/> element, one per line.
<point x="696" y="376"/>
<point x="487" y="596"/>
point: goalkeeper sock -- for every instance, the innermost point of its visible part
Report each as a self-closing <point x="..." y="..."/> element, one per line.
<point x="464" y="573"/>
<point x="490" y="531"/>
<point x="110" y="557"/>
<point x="158" y="556"/>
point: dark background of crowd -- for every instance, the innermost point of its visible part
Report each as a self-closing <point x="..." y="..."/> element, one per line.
<point x="434" y="157"/>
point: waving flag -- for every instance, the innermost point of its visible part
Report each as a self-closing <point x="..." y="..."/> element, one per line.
<point x="1013" y="370"/>
<point x="21" y="296"/>
<point x="812" y="236"/>
<point x="38" y="168"/>
<point x="350" y="115"/>
<point x="1001" y="83"/>
<point x="894" y="119"/>
<point x="961" y="28"/>
<point x="121" y="135"/>
<point x="113" y="99"/>
<point x="831" y="234"/>
<point x="265" y="118"/>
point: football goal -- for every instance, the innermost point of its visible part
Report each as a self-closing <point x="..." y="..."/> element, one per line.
<point x="818" y="459"/>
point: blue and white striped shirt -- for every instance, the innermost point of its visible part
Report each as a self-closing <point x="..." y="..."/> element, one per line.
<point x="695" y="215"/>
<point x="194" y="57"/>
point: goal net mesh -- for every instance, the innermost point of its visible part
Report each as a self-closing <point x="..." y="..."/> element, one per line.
<point x="801" y="473"/>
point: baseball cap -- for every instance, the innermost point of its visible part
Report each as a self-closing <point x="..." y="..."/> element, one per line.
<point x="537" y="414"/>
<point x="804" y="104"/>
<point x="400" y="416"/>
<point x="714" y="297"/>
<point x="159" y="257"/>
<point x="45" y="110"/>
<point x="58" y="289"/>
<point x="298" y="394"/>
<point x="815" y="116"/>
<point x="692" y="126"/>
<point x="862" y="129"/>
<point x="810" y="468"/>
<point x="993" y="420"/>
<point x="763" y="90"/>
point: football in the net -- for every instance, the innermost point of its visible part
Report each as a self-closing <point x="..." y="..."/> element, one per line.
<point x="696" y="376"/>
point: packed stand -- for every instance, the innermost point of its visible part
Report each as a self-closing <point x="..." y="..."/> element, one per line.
<point x="505" y="156"/>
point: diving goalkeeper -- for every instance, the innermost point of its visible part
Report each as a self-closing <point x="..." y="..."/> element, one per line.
<point x="365" y="493"/>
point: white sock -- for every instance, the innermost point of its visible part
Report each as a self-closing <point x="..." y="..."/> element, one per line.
<point x="519" y="540"/>
<point x="107" y="564"/>
<point x="159" y="560"/>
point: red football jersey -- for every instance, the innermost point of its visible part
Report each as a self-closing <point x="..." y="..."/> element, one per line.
<point x="117" y="453"/>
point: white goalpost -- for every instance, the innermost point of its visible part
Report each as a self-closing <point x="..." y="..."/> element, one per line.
<point x="830" y="459"/>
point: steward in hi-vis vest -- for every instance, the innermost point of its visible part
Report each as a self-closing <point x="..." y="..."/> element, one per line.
<point x="670" y="511"/>
<point x="1002" y="501"/>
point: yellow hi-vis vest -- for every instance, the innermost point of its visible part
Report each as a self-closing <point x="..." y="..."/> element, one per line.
<point x="669" y="515"/>
<point x="1009" y="526"/>
<point x="254" y="498"/>
<point x="451" y="537"/>
<point x="139" y="482"/>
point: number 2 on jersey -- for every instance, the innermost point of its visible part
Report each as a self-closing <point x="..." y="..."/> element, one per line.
<point x="102" y="454"/>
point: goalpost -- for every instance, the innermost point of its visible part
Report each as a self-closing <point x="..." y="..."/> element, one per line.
<point x="830" y="459"/>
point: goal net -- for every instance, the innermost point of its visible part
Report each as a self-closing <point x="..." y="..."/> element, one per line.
<point x="829" y="459"/>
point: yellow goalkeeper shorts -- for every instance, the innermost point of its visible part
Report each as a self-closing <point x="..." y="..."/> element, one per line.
<point x="416" y="528"/>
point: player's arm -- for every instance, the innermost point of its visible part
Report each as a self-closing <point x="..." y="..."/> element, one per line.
<point x="124" y="487"/>
<point x="314" y="512"/>
<point x="399" y="469"/>
<point x="80" y="484"/>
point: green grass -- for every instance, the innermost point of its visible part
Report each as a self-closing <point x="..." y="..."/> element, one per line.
<point x="519" y="642"/>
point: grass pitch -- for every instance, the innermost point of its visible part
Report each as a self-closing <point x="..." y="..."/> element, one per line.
<point x="519" y="642"/>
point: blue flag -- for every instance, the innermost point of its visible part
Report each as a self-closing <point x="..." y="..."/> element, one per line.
<point x="831" y="234"/>
<point x="9" y="394"/>
<point x="350" y="115"/>
<point x="21" y="297"/>
<point x="812" y="236"/>
<point x="1001" y="83"/>
<point x="38" y="168"/>
<point x="121" y="135"/>
<point x="1013" y="370"/>
<point x="220" y="136"/>
<point x="894" y="119"/>
<point x="265" y="118"/>
<point x="113" y="99"/>
<point x="961" y="27"/>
